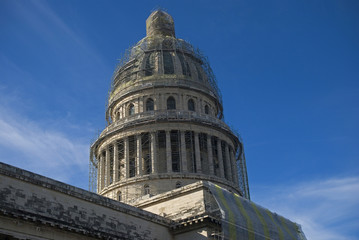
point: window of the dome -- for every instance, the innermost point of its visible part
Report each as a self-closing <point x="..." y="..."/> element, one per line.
<point x="146" y="189"/>
<point x="206" y="109"/>
<point x="149" y="104"/>
<point x="191" y="105"/>
<point x="175" y="150"/>
<point x="199" y="74"/>
<point x="119" y="196"/>
<point x="191" y="153"/>
<point x="171" y="103"/>
<point x="146" y="152"/>
<point x="132" y="171"/>
<point x="150" y="64"/>
<point x="168" y="63"/>
<point x="188" y="70"/>
<point x="185" y="66"/>
<point x="178" y="184"/>
<point x="131" y="110"/>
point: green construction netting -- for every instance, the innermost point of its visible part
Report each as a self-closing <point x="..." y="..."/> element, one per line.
<point x="245" y="220"/>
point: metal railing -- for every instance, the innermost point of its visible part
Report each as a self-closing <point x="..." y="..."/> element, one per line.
<point x="160" y="115"/>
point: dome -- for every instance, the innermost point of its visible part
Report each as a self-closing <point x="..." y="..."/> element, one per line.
<point x="160" y="59"/>
<point x="165" y="122"/>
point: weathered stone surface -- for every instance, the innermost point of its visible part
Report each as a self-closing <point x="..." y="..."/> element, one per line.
<point x="34" y="198"/>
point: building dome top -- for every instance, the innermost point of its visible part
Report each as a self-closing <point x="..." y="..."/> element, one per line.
<point x="161" y="59"/>
<point x="160" y="23"/>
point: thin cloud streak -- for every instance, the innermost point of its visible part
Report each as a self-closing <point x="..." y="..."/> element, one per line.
<point x="32" y="146"/>
<point x="326" y="209"/>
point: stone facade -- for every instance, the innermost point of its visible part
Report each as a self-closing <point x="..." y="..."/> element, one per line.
<point x="36" y="207"/>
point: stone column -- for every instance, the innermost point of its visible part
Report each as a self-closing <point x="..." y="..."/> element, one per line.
<point x="127" y="157"/>
<point x="107" y="171"/>
<point x="228" y="164"/>
<point x="115" y="162"/>
<point x="200" y="108"/>
<point x="156" y="100"/>
<point x="153" y="153"/>
<point x="234" y="167"/>
<point x="163" y="102"/>
<point x="141" y="105"/>
<point x="183" y="100"/>
<point x="168" y="152"/>
<point x="197" y="153"/>
<point x="180" y="102"/>
<point x="210" y="155"/>
<point x="139" y="156"/>
<point x="103" y="167"/>
<point x="183" y="152"/>
<point x="99" y="173"/>
<point x="220" y="158"/>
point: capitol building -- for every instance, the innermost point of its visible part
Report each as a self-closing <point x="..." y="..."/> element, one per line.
<point x="166" y="166"/>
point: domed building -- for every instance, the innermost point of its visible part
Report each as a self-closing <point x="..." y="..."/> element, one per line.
<point x="166" y="167"/>
<point x="165" y="122"/>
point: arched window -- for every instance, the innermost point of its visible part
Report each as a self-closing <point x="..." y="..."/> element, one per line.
<point x="206" y="109"/>
<point x="149" y="104"/>
<point x="131" y="109"/>
<point x="119" y="196"/>
<point x="146" y="189"/>
<point x="171" y="103"/>
<point x="199" y="72"/>
<point x="178" y="184"/>
<point x="168" y="63"/>
<point x="150" y="64"/>
<point x="190" y="105"/>
<point x="185" y="66"/>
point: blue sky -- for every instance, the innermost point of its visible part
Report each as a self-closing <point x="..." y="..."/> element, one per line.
<point x="288" y="72"/>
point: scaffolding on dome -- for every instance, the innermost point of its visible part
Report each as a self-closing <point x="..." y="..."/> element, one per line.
<point x="140" y="145"/>
<point x="156" y="43"/>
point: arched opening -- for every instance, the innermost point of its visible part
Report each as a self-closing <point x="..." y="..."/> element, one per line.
<point x="131" y="109"/>
<point x="150" y="64"/>
<point x="199" y="72"/>
<point x="191" y="105"/>
<point x="178" y="184"/>
<point x="185" y="66"/>
<point x="206" y="109"/>
<point x="171" y="103"/>
<point x="146" y="189"/>
<point x="119" y="196"/>
<point x="149" y="104"/>
<point x="168" y="63"/>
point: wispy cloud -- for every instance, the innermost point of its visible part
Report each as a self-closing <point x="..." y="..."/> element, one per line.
<point x="327" y="209"/>
<point x="42" y="149"/>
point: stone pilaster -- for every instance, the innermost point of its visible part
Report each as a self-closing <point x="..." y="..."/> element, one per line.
<point x="210" y="155"/>
<point x="154" y="153"/>
<point x="168" y="152"/>
<point x="107" y="171"/>
<point x="197" y="153"/>
<point x="115" y="162"/>
<point x="220" y="158"/>
<point x="228" y="164"/>
<point x="139" y="155"/>
<point x="183" y="152"/>
<point x="127" y="157"/>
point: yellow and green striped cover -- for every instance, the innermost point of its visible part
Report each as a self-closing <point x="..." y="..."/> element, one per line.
<point x="245" y="220"/>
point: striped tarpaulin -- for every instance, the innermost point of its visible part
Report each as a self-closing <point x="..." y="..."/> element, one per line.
<point x="245" y="220"/>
